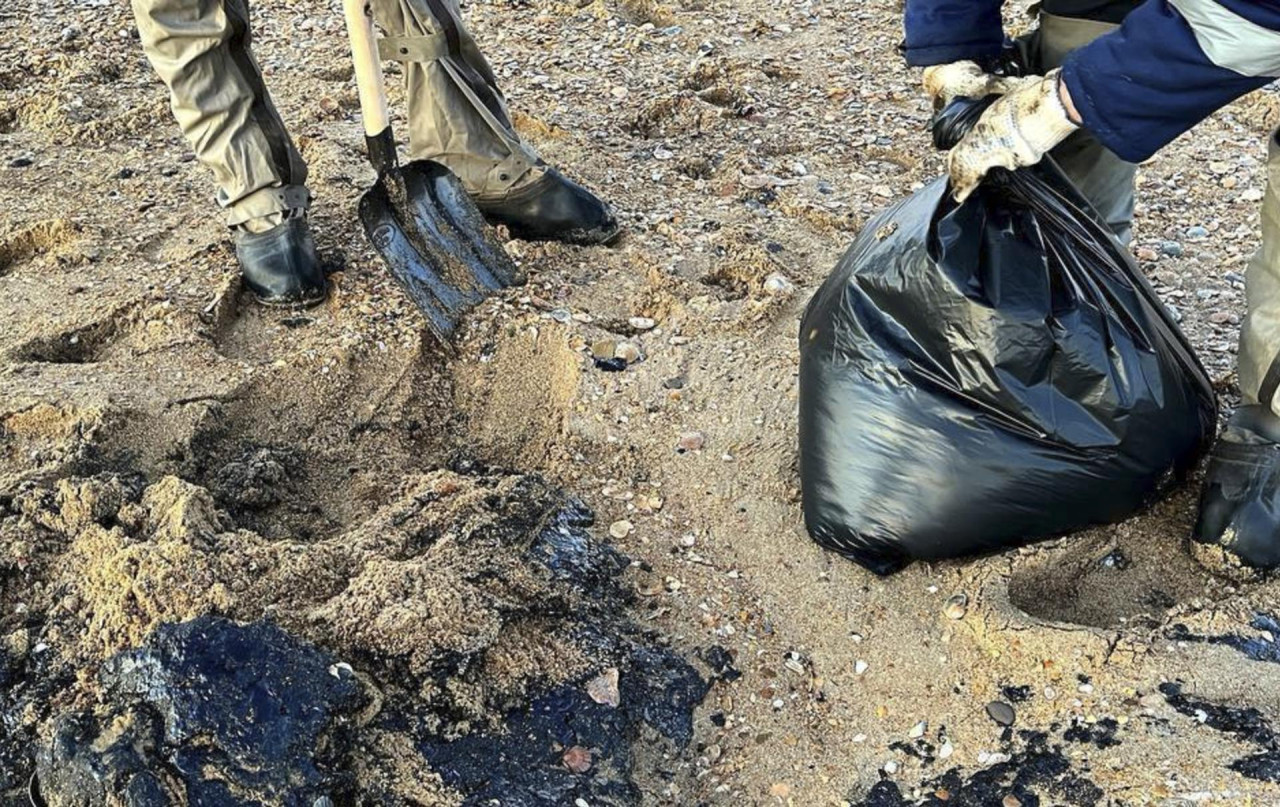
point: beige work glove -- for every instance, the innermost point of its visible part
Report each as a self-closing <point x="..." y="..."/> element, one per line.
<point x="1016" y="131"/>
<point x="946" y="82"/>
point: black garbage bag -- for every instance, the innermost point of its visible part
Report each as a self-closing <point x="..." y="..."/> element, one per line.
<point x="981" y="376"/>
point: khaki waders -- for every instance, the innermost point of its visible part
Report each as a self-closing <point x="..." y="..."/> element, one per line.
<point x="1108" y="182"/>
<point x="457" y="115"/>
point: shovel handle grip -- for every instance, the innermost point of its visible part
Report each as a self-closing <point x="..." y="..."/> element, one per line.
<point x="364" y="52"/>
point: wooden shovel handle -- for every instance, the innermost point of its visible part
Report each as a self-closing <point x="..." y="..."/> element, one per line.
<point x="364" y="52"/>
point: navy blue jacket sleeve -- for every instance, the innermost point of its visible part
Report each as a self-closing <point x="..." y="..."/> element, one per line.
<point x="1140" y="87"/>
<point x="942" y="31"/>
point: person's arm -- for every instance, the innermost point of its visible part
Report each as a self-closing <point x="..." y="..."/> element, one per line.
<point x="1170" y="65"/>
<point x="945" y="31"/>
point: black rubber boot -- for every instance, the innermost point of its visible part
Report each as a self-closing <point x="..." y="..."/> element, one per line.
<point x="1240" y="503"/>
<point x="280" y="266"/>
<point x="555" y="208"/>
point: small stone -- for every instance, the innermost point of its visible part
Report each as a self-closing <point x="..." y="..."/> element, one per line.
<point x="650" y="585"/>
<point x="562" y="315"/>
<point x="1000" y="712"/>
<point x="577" y="759"/>
<point x="621" y="529"/>
<point x="21" y="162"/>
<point x="604" y="349"/>
<point x="1197" y="232"/>
<point x="603" y="689"/>
<point x="323" y="801"/>
<point x="946" y="750"/>
<point x="918" y="730"/>
<point x="859" y="738"/>
<point x="778" y="284"/>
<point x="691" y="441"/>
<point x="1174" y="312"/>
<point x="860" y="667"/>
<point x="1050" y="693"/>
<point x="675" y="383"/>
<point x="891" y="767"/>
<point x="1086" y="689"/>
<point x="1146" y="254"/>
<point x="642" y="323"/>
<point x="780" y="790"/>
<point x="956" y="606"/>
<point x="1171" y="248"/>
<point x="628" y="352"/>
<point x="1252" y="195"/>
<point x="1010" y="801"/>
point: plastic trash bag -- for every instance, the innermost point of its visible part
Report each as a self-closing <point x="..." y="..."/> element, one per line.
<point x="981" y="376"/>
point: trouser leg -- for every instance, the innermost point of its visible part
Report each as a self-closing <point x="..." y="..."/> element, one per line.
<point x="1105" y="180"/>
<point x="457" y="114"/>
<point x="1260" y="333"/>
<point x="200" y="48"/>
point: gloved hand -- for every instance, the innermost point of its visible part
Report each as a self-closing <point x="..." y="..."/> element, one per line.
<point x="946" y="82"/>
<point x="1016" y="131"/>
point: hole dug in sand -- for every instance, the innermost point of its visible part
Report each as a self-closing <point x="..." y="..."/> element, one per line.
<point x="1127" y="574"/>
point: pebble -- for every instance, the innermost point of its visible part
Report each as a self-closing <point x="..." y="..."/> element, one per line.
<point x="860" y="666"/>
<point x="604" y="349"/>
<point x="1252" y="195"/>
<point x="956" y="606"/>
<point x="946" y="750"/>
<point x="603" y="689"/>
<point x="918" y="730"/>
<point x="642" y="323"/>
<point x="691" y="441"/>
<point x="628" y="352"/>
<point x="778" y="284"/>
<point x="891" y="767"/>
<point x="21" y="162"/>
<point x="675" y="383"/>
<point x="1197" y="232"/>
<point x="1001" y="712"/>
<point x="1174" y="312"/>
<point x="621" y="529"/>
<point x="1146" y="254"/>
<point x="323" y="801"/>
<point x="1171" y="248"/>
<point x="1010" y="801"/>
<point x="1086" y="689"/>
<point x="859" y="738"/>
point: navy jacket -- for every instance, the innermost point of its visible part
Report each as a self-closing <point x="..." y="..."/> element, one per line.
<point x="1171" y="64"/>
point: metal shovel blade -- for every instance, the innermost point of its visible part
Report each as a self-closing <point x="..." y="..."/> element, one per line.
<point x="435" y="242"/>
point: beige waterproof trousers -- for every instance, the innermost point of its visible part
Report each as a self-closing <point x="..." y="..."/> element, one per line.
<point x="457" y="114"/>
<point x="1108" y="183"/>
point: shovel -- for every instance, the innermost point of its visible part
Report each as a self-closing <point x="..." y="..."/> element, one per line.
<point x="418" y="216"/>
